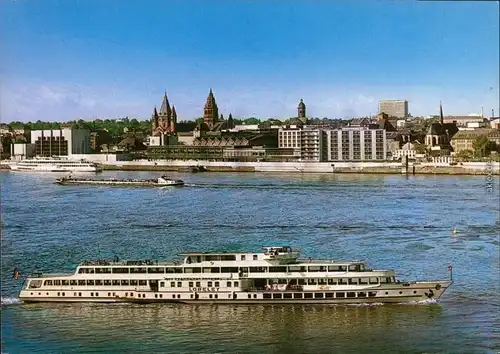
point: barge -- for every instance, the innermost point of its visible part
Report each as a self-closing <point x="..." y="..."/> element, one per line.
<point x="276" y="275"/>
<point x="162" y="181"/>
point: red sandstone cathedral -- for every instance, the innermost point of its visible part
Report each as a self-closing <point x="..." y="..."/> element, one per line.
<point x="165" y="121"/>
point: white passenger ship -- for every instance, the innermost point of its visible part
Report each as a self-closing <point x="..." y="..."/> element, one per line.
<point x="55" y="164"/>
<point x="275" y="275"/>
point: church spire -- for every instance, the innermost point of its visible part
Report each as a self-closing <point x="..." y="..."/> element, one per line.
<point x="173" y="121"/>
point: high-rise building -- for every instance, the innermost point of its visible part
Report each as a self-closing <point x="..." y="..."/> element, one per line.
<point x="61" y="142"/>
<point x="394" y="108"/>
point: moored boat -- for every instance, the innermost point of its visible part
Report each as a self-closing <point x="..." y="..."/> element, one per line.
<point x="54" y="164"/>
<point x="162" y="181"/>
<point x="275" y="275"/>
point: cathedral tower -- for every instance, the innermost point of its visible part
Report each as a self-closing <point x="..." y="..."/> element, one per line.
<point x="301" y="109"/>
<point x="211" y="111"/>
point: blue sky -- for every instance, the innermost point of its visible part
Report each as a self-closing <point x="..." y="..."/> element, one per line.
<point x="71" y="59"/>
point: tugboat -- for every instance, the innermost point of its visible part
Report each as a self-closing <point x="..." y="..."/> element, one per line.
<point x="162" y="181"/>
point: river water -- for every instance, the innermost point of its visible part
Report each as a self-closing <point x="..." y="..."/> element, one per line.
<point x="397" y="222"/>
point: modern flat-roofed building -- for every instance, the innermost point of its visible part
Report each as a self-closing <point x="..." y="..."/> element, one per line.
<point x="61" y="142"/>
<point x="354" y="144"/>
<point x="394" y="108"/>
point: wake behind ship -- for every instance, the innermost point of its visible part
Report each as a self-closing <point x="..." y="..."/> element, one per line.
<point x="275" y="275"/>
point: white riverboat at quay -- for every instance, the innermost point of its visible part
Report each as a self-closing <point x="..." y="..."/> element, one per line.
<point x="54" y="164"/>
<point x="274" y="276"/>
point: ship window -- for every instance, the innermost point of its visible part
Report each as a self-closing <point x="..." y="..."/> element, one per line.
<point x="178" y="296"/>
<point x="254" y="257"/>
<point x="187" y="270"/>
<point x="81" y="282"/>
<point x="47" y="282"/>
<point x="79" y="294"/>
<point x="109" y="294"/>
<point x="318" y="295"/>
<point x="332" y="281"/>
<point x="254" y="296"/>
<point x="339" y="294"/>
<point x="229" y="270"/>
<point x="161" y="296"/>
<point x="207" y="270"/>
<point x="215" y="270"/>
<point x="363" y="281"/>
<point x="328" y="295"/>
<point x="91" y="294"/>
<point x="351" y="294"/>
<point x="191" y="284"/>
<point x="124" y="282"/>
<point x="179" y="284"/>
<point x="342" y="281"/>
<point x="134" y="282"/>
<point x="228" y="284"/>
<point x="58" y="294"/>
<point x="198" y="284"/>
<point x="212" y="258"/>
<point x="287" y="295"/>
<point x="90" y="282"/>
<point x="73" y="282"/>
<point x="209" y="284"/>
<point x="116" y="282"/>
<point x="353" y="281"/>
<point x="249" y="296"/>
<point x="243" y="257"/>
<point x="266" y="296"/>
<point x="322" y="281"/>
<point x="84" y="270"/>
<point x="137" y="270"/>
<point x="107" y="283"/>
<point x="353" y="268"/>
<point x="373" y="280"/>
<point x="57" y="282"/>
<point x="313" y="269"/>
<point x="297" y="295"/>
<point x="258" y="269"/>
<point x="308" y="295"/>
<point x="361" y="294"/>
<point x="301" y="282"/>
<point x="217" y="284"/>
<point x="276" y="296"/>
<point x="296" y="269"/>
<point x="311" y="281"/>
<point x="372" y="294"/>
<point x="383" y="280"/>
<point x="102" y="270"/>
<point x="63" y="294"/>
<point x="96" y="294"/>
<point x="172" y="284"/>
<point x="236" y="284"/>
<point x="210" y="296"/>
<point x="228" y="257"/>
<point x="121" y="270"/>
<point x="143" y="282"/>
<point x="277" y="269"/>
<point x="162" y="284"/>
<point x="156" y="270"/>
<point x="334" y="268"/>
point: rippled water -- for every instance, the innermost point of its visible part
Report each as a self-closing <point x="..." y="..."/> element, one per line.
<point x="391" y="221"/>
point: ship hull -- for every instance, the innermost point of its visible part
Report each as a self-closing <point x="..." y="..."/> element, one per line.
<point x="401" y="294"/>
<point x="117" y="183"/>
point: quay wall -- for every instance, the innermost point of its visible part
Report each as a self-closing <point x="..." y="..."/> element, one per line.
<point x="466" y="168"/>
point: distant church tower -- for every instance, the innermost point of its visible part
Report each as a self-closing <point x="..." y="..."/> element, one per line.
<point x="301" y="110"/>
<point x="164" y="121"/>
<point x="211" y="111"/>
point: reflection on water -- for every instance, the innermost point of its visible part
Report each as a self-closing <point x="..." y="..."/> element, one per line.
<point x="185" y="328"/>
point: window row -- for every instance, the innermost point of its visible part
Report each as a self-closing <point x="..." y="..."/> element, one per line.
<point x="338" y="295"/>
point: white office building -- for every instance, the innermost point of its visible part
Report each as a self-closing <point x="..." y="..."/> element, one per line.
<point x="61" y="142"/>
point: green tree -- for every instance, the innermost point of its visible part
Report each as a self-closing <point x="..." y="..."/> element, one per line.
<point x="481" y="146"/>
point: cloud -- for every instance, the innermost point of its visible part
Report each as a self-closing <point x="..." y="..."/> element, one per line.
<point x="63" y="102"/>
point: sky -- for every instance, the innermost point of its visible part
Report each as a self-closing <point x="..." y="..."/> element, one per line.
<point x="83" y="59"/>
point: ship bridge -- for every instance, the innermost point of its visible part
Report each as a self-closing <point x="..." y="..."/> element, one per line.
<point x="283" y="254"/>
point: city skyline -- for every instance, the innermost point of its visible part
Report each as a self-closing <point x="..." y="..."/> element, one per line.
<point x="83" y="60"/>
